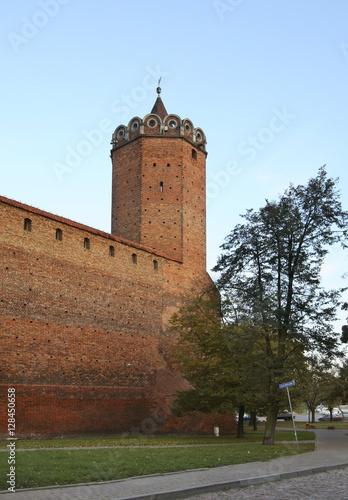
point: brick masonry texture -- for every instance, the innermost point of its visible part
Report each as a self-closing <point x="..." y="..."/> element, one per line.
<point x="159" y="196"/>
<point x="84" y="314"/>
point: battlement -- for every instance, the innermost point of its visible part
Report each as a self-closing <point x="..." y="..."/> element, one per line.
<point x="153" y="125"/>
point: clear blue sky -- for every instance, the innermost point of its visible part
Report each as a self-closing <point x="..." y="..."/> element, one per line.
<point x="267" y="82"/>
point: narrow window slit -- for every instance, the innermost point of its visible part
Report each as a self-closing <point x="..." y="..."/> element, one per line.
<point x="27" y="225"/>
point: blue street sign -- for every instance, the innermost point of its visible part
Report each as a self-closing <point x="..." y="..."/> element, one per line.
<point x="286" y="384"/>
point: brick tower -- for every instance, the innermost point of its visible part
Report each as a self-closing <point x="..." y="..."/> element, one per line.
<point x="158" y="185"/>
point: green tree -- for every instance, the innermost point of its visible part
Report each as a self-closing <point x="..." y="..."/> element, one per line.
<point x="222" y="361"/>
<point x="332" y="391"/>
<point x="344" y="336"/>
<point x="271" y="267"/>
<point x="343" y="383"/>
<point x="312" y="387"/>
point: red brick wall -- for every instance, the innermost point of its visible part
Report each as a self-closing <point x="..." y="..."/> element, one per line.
<point x="159" y="196"/>
<point x="84" y="335"/>
<point x="126" y="199"/>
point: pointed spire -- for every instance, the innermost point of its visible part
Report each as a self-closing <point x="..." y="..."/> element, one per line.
<point x="159" y="108"/>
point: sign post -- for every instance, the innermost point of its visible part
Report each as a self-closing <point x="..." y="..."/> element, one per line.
<point x="287" y="385"/>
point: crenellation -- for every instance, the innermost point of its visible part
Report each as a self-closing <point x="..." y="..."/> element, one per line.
<point x="153" y="125"/>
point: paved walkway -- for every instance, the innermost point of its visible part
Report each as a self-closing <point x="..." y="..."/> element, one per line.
<point x="331" y="452"/>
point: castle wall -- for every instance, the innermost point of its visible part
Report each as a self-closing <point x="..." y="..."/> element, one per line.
<point x="84" y="334"/>
<point x="77" y="317"/>
<point x="162" y="168"/>
<point x="194" y="209"/>
<point x="126" y="199"/>
<point x="84" y="314"/>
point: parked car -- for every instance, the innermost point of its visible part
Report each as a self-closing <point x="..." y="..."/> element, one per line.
<point x="326" y="418"/>
<point x="325" y="411"/>
<point x="285" y="415"/>
<point x="247" y="417"/>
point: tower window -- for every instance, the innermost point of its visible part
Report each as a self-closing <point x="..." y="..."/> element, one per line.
<point x="168" y="164"/>
<point x="59" y="234"/>
<point x="27" y="225"/>
<point x="155" y="265"/>
<point x="135" y="126"/>
<point x="121" y="134"/>
<point x="111" y="251"/>
<point x="161" y="186"/>
<point x="86" y="244"/>
<point x="134" y="258"/>
<point x="152" y="123"/>
<point x="194" y="154"/>
<point x="154" y="164"/>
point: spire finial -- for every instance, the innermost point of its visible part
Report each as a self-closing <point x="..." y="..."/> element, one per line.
<point x="158" y="108"/>
<point x="159" y="88"/>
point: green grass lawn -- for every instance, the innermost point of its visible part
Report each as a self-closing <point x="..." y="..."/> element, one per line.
<point x="136" y="456"/>
<point x="101" y="441"/>
<point x="52" y="467"/>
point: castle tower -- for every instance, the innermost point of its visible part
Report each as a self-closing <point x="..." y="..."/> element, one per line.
<point x="158" y="185"/>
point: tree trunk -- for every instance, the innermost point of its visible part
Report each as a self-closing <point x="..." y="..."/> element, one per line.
<point x="253" y="420"/>
<point x="240" y="429"/>
<point x="313" y="416"/>
<point x="268" y="437"/>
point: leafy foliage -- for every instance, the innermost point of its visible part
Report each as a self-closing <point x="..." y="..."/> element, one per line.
<point x="203" y="355"/>
<point x="274" y="311"/>
<point x="344" y="336"/>
<point x="343" y="383"/>
<point x="271" y="271"/>
<point x="225" y="362"/>
<point x="271" y="265"/>
<point x="315" y="386"/>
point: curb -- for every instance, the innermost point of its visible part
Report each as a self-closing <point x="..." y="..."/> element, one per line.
<point x="200" y="490"/>
<point x="234" y="484"/>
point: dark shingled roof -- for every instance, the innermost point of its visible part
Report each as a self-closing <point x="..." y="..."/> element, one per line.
<point x="159" y="108"/>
